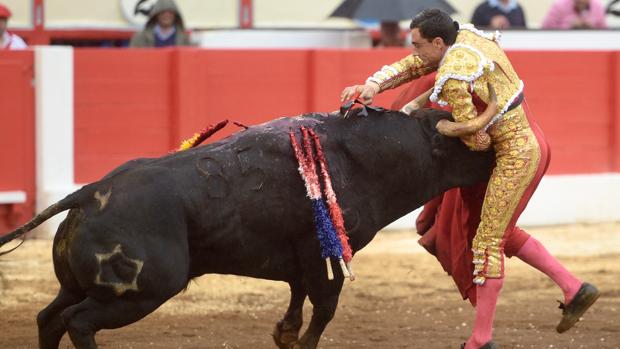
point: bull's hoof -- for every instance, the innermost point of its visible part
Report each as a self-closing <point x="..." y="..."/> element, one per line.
<point x="286" y="338"/>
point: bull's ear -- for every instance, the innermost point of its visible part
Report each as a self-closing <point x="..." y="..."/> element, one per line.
<point x="428" y="122"/>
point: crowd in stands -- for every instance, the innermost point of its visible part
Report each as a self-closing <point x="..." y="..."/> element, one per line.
<point x="575" y="14"/>
<point x="563" y="14"/>
<point x="165" y="25"/>
<point x="508" y="14"/>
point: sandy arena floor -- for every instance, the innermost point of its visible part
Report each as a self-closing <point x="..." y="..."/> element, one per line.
<point x="401" y="299"/>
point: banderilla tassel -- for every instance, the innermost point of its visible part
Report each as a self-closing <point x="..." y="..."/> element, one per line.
<point x="200" y="137"/>
<point x="334" y="209"/>
<point x="328" y="239"/>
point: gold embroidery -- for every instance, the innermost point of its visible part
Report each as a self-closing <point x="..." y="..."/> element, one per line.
<point x="516" y="148"/>
<point x="403" y="71"/>
<point x="461" y="61"/>
<point x="517" y="157"/>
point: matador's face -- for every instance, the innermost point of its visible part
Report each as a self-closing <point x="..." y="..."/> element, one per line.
<point x="431" y="51"/>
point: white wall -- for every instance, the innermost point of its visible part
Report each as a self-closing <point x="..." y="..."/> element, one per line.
<point x="108" y="13"/>
<point x="562" y="199"/>
<point x="53" y="130"/>
<point x="267" y="38"/>
<point x="22" y="13"/>
<point x="318" y="38"/>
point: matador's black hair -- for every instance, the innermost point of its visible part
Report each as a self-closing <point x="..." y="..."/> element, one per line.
<point x="434" y="23"/>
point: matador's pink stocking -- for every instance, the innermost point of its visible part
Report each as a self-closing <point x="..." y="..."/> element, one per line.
<point x="536" y="255"/>
<point x="486" y="300"/>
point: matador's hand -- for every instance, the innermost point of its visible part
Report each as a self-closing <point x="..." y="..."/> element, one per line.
<point x="366" y="92"/>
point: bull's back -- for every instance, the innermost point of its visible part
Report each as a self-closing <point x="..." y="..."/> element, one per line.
<point x="245" y="202"/>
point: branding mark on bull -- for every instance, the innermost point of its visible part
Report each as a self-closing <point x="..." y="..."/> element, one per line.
<point x="118" y="271"/>
<point x="216" y="186"/>
<point x="103" y="199"/>
<point x="254" y="177"/>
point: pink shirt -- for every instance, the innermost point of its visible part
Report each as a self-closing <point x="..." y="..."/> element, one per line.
<point x="562" y="15"/>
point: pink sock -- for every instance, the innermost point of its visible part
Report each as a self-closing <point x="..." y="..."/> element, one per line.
<point x="536" y="255"/>
<point x="486" y="299"/>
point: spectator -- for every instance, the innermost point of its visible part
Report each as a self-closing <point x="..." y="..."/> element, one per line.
<point x="164" y="28"/>
<point x="612" y="9"/>
<point x="575" y="14"/>
<point x="391" y="35"/>
<point x="499" y="14"/>
<point x="8" y="41"/>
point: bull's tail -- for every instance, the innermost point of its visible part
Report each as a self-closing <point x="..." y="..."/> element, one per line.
<point x="71" y="201"/>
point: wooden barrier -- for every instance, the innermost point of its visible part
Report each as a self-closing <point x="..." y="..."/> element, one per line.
<point x="132" y="103"/>
<point x="17" y="181"/>
<point x="142" y="103"/>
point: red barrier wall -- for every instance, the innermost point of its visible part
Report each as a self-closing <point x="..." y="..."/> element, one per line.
<point x="132" y="103"/>
<point x="122" y="108"/>
<point x="16" y="135"/>
<point x="136" y="103"/>
<point x="614" y="101"/>
<point x="573" y="105"/>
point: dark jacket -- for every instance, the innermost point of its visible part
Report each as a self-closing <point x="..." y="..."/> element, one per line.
<point x="484" y="12"/>
<point x="146" y="37"/>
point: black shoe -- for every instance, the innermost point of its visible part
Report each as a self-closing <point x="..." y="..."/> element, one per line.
<point x="571" y="312"/>
<point x="489" y="345"/>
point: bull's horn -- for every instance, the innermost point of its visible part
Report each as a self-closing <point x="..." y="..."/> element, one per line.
<point x="459" y="129"/>
<point x="418" y="102"/>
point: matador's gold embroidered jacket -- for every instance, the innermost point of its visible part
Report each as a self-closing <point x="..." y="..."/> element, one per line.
<point x="467" y="66"/>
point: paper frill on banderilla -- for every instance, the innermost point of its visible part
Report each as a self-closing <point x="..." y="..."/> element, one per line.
<point x="328" y="219"/>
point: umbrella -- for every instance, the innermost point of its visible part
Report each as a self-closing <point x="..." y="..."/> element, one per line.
<point x="614" y="11"/>
<point x="388" y="10"/>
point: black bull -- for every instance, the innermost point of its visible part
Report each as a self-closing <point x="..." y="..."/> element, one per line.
<point x="135" y="238"/>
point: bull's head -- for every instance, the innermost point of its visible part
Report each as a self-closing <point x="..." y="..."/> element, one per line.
<point x="451" y="154"/>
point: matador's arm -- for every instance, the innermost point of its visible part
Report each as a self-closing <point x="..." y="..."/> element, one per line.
<point x="396" y="74"/>
<point x="456" y="93"/>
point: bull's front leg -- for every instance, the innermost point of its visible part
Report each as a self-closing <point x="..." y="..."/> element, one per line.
<point x="286" y="332"/>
